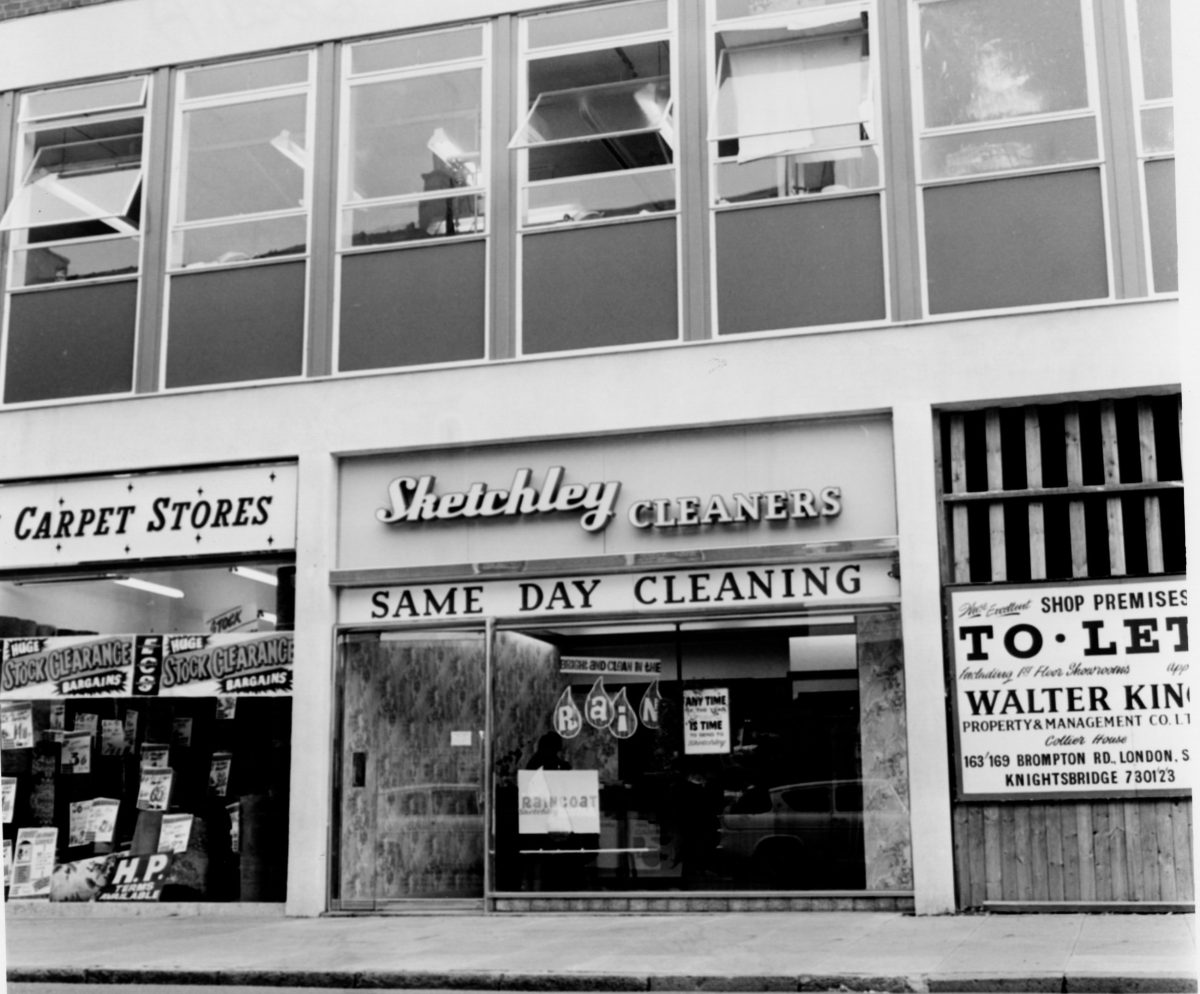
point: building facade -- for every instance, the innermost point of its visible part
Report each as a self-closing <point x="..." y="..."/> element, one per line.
<point x="633" y="456"/>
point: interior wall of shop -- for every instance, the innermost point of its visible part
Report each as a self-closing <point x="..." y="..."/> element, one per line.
<point x="1112" y="349"/>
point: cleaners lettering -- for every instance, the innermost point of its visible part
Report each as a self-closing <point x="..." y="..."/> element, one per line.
<point x="413" y="499"/>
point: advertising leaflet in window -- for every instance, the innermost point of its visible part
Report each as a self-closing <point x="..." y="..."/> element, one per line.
<point x="229" y="664"/>
<point x="1076" y="689"/>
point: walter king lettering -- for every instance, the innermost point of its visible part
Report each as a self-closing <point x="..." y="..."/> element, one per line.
<point x="414" y="499"/>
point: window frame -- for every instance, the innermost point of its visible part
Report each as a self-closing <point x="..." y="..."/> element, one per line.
<point x="1095" y="109"/>
<point x="177" y="228"/>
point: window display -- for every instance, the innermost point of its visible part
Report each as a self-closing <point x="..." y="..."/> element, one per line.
<point x="172" y="741"/>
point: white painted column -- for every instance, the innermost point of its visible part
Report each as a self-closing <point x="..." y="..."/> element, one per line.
<point x="312" y="692"/>
<point x="924" y="681"/>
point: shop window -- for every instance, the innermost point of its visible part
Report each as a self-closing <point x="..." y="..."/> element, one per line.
<point x="147" y="712"/>
<point x="1154" y="90"/>
<point x="414" y="175"/>
<point x="1007" y="91"/>
<point x="240" y="200"/>
<point x="713" y="756"/>
<point x="73" y="222"/>
<point x="794" y="119"/>
<point x="596" y="144"/>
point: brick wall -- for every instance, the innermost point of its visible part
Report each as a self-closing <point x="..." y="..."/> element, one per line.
<point x="23" y="8"/>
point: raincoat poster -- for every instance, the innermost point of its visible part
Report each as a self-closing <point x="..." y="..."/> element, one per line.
<point x="558" y="801"/>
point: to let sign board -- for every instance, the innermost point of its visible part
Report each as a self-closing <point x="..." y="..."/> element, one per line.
<point x="1072" y="690"/>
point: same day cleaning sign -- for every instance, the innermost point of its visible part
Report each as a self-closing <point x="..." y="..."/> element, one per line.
<point x="1080" y="689"/>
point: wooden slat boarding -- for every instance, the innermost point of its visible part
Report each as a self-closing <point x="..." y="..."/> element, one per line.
<point x="1079" y="558"/>
<point x="1033" y="480"/>
<point x="995" y="481"/>
<point x="1149" y="463"/>
<point x="958" y="485"/>
<point x="1112" y="475"/>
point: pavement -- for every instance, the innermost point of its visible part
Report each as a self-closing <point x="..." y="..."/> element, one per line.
<point x="749" y="951"/>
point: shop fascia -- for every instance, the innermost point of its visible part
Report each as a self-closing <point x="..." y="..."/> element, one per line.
<point x="414" y="499"/>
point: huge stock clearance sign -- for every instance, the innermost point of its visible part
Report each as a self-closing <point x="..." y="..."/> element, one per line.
<point x="1077" y="689"/>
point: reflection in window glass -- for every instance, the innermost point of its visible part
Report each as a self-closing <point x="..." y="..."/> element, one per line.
<point x="243" y="182"/>
<point x="601" y="112"/>
<point x="787" y="90"/>
<point x="68" y="261"/>
<point x="113" y="95"/>
<point x="414" y="134"/>
<point x="1025" y="147"/>
<point x="986" y="61"/>
<point x="603" y="21"/>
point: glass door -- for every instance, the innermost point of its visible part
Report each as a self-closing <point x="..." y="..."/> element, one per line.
<point x="411" y="770"/>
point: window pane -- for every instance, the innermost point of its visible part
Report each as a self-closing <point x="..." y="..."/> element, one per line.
<point x="1004" y="149"/>
<point x="781" y="97"/>
<point x="798" y="175"/>
<point x="241" y="242"/>
<point x="601" y="111"/>
<point x="614" y="195"/>
<point x="60" y="191"/>
<point x="416" y="50"/>
<point x="416" y="135"/>
<point x="598" y="22"/>
<point x="284" y="71"/>
<point x="75" y="261"/>
<point x="988" y="61"/>
<point x="244" y="159"/>
<point x="1154" y="34"/>
<point x="113" y="95"/>
<point x="1158" y="130"/>
<point x="414" y="221"/>
<point x="727" y="9"/>
<point x="1160" y="210"/>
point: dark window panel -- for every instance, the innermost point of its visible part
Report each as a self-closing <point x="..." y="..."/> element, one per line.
<point x="412" y="306"/>
<point x="1015" y="242"/>
<point x="600" y="286"/>
<point x="798" y="265"/>
<point x="71" y="342"/>
<point x="236" y="325"/>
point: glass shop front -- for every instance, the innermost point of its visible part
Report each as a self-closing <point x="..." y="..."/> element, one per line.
<point x="145" y="690"/>
<point x="696" y="699"/>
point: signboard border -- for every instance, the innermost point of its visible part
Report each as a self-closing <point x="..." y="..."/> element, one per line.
<point x="952" y="714"/>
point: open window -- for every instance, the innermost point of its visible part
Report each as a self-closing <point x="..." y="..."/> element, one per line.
<point x="598" y="136"/>
<point x="75" y="211"/>
<point x="794" y="110"/>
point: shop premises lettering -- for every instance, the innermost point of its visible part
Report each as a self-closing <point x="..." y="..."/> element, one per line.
<point x="415" y="499"/>
<point x="166" y="514"/>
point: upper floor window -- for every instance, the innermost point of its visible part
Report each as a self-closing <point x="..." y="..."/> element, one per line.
<point x="794" y="111"/>
<point x="415" y="116"/>
<point x="243" y="162"/>
<point x="75" y="212"/>
<point x="1009" y="154"/>
<point x="598" y="135"/>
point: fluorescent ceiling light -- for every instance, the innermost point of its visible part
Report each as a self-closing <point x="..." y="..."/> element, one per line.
<point x="268" y="616"/>
<point x="254" y="574"/>
<point x="146" y="585"/>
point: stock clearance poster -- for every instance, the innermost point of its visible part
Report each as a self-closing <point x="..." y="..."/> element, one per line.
<point x="1072" y="690"/>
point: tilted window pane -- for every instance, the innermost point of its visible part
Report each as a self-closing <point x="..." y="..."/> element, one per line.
<point x="614" y="195"/>
<point x="416" y="50"/>
<point x="414" y="221"/>
<point x="786" y="95"/>
<point x="416" y="135"/>
<point x="79" y="181"/>
<point x="244" y="159"/>
<point x="75" y="261"/>
<point x="594" y="23"/>
<point x="798" y="175"/>
<point x="988" y="61"/>
<point x="242" y="241"/>
<point x="286" y="70"/>
<point x="1154" y="36"/>
<point x="606" y="110"/>
<point x="1158" y="130"/>
<point x="115" y="94"/>
<point x="1005" y="149"/>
